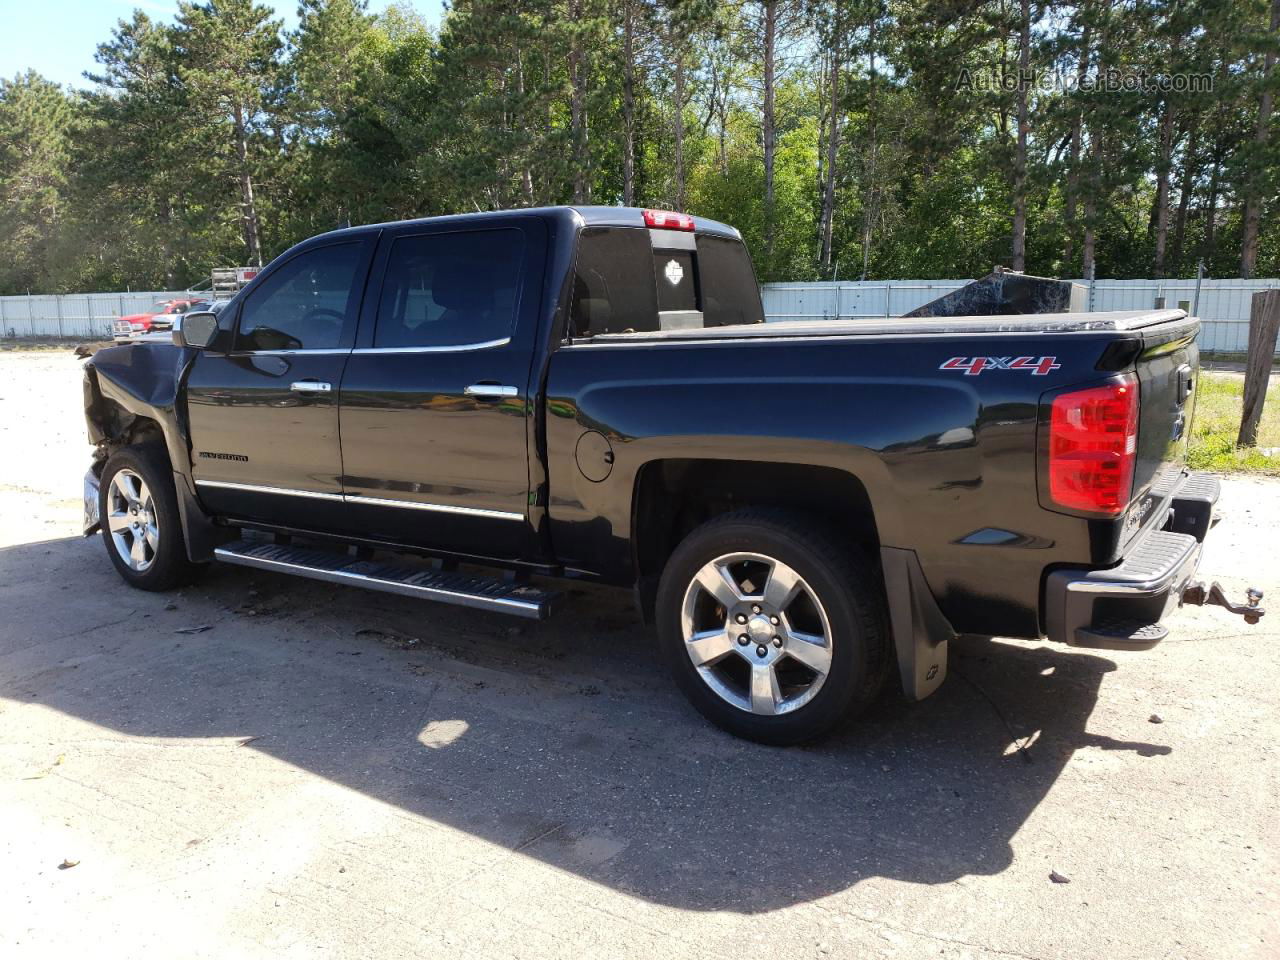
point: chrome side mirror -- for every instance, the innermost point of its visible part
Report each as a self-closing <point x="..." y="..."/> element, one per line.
<point x="195" y="329"/>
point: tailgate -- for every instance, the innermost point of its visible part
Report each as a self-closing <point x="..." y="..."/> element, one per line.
<point x="1167" y="369"/>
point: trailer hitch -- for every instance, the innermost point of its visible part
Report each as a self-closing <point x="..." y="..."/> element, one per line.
<point x="1195" y="593"/>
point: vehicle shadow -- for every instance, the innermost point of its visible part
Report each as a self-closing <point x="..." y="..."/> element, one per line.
<point x="563" y="741"/>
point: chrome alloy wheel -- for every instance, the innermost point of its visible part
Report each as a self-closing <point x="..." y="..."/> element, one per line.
<point x="757" y="633"/>
<point x="131" y="520"/>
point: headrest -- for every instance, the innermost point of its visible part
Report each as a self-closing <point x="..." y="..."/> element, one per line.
<point x="594" y="313"/>
<point x="456" y="286"/>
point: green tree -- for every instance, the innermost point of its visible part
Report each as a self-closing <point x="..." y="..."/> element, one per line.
<point x="229" y="68"/>
<point x="37" y="120"/>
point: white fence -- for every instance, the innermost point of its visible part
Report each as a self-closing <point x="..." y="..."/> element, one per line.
<point x="73" y="314"/>
<point x="1223" y="306"/>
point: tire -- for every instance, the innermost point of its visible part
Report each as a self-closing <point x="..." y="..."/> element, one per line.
<point x="151" y="555"/>
<point x="792" y="585"/>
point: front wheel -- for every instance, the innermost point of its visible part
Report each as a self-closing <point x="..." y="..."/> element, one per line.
<point x="774" y="631"/>
<point x="138" y="509"/>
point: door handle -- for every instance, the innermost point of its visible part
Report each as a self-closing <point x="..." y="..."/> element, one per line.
<point x="490" y="390"/>
<point x="310" y="386"/>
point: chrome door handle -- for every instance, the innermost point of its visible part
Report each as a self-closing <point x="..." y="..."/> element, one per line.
<point x="310" y="386"/>
<point x="490" y="390"/>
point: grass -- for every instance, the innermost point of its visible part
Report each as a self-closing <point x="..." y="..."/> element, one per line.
<point x="1219" y="406"/>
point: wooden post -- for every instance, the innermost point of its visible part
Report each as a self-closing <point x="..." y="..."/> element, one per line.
<point x="1264" y="323"/>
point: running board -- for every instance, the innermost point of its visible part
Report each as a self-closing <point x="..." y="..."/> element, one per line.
<point x="460" y="589"/>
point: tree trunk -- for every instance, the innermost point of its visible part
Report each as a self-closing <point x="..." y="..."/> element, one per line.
<point x="1077" y="137"/>
<point x="1187" y="184"/>
<point x="578" y="110"/>
<point x="1020" y="157"/>
<point x="679" y="126"/>
<point x="248" y="209"/>
<point x="526" y="171"/>
<point x="1253" y="200"/>
<point x="869" y="201"/>
<point x="1088" y="252"/>
<point x="768" y="122"/>
<point x="628" y="106"/>
<point x="1211" y="222"/>
<point x="1164" y="163"/>
<point x="833" y="148"/>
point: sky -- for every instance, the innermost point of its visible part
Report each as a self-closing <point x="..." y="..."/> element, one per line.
<point x="58" y="38"/>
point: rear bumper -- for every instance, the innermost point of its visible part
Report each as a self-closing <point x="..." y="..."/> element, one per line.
<point x="1120" y="608"/>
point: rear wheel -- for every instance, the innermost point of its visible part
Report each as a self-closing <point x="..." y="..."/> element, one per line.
<point x="141" y="528"/>
<point x="774" y="631"/>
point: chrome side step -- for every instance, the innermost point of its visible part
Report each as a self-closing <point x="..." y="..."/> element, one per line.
<point x="460" y="589"/>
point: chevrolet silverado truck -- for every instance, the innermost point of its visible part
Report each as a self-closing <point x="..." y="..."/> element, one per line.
<point x="467" y="408"/>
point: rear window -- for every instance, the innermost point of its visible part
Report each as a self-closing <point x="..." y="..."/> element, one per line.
<point x="622" y="284"/>
<point x="730" y="294"/>
<point x="613" y="289"/>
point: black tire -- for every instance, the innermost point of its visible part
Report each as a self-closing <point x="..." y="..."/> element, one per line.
<point x="167" y="566"/>
<point x="843" y="583"/>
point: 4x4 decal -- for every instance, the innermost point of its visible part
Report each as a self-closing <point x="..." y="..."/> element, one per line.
<point x="972" y="366"/>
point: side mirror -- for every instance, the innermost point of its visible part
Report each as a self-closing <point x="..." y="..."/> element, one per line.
<point x="195" y="329"/>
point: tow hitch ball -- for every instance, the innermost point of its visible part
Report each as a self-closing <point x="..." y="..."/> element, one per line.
<point x="1195" y="593"/>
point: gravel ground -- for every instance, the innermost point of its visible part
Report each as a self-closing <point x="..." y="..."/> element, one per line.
<point x="324" y="772"/>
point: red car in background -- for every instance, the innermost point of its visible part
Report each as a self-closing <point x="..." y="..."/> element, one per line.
<point x="161" y="318"/>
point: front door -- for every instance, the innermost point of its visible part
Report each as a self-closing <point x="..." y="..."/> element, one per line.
<point x="264" y="414"/>
<point x="435" y="416"/>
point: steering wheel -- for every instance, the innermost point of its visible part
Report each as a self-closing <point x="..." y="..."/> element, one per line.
<point x="337" y="317"/>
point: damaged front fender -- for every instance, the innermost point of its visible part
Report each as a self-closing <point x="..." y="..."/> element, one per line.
<point x="133" y="394"/>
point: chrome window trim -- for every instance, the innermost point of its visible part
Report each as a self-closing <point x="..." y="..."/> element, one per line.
<point x="455" y="348"/>
<point x="358" y="498"/>
<point x="318" y="351"/>
<point x="258" y="488"/>
<point x="433" y="507"/>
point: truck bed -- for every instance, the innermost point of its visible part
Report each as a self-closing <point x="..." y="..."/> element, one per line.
<point x="1115" y="321"/>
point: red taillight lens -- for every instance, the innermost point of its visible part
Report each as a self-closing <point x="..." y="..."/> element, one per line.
<point x="1093" y="442"/>
<point x="667" y="220"/>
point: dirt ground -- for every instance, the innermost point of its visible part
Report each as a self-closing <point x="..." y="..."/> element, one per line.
<point x="267" y="767"/>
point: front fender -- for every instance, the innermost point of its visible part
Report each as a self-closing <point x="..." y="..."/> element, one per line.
<point x="142" y="381"/>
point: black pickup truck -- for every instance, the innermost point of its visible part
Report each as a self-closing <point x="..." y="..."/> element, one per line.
<point x="593" y="393"/>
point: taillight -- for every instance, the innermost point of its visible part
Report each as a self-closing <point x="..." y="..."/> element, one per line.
<point x="1093" y="443"/>
<point x="667" y="220"/>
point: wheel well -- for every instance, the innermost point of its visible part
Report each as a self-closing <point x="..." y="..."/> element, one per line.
<point x="674" y="496"/>
<point x="120" y="428"/>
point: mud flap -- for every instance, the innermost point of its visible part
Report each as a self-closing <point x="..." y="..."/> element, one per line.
<point x="92" y="522"/>
<point x="921" y="634"/>
<point x="199" y="532"/>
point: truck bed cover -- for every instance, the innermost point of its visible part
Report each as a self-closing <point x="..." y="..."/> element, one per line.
<point x="1116" y="321"/>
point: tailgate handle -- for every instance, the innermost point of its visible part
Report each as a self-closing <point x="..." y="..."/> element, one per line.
<point x="1185" y="383"/>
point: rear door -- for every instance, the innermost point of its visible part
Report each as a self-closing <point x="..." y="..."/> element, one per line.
<point x="264" y="414"/>
<point x="436" y="418"/>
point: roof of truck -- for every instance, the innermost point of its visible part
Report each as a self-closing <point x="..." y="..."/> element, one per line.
<point x="592" y="216"/>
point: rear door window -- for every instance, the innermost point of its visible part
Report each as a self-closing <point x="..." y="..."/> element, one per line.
<point x="450" y="289"/>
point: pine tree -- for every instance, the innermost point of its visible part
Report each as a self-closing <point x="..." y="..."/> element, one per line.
<point x="36" y="122"/>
